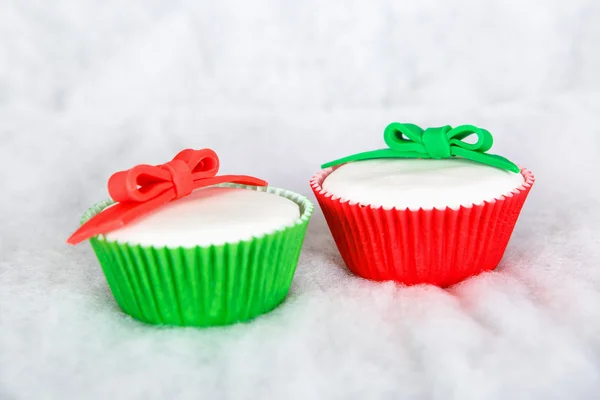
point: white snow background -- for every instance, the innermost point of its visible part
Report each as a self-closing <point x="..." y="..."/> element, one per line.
<point x="277" y="88"/>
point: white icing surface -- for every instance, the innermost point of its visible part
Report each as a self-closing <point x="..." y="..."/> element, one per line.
<point x="214" y="215"/>
<point x="417" y="183"/>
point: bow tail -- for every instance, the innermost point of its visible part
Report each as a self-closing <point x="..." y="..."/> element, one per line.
<point x="116" y="216"/>
<point x="382" y="153"/>
<point x="485" y="158"/>
<point x="239" y="179"/>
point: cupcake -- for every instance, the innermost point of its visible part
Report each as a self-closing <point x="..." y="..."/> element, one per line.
<point x="180" y="245"/>
<point x="431" y="208"/>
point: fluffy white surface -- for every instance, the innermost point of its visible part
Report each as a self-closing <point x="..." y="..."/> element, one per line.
<point x="419" y="183"/>
<point x="276" y="88"/>
<point x="210" y="216"/>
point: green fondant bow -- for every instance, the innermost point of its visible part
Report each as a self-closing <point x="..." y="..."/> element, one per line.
<point x="410" y="141"/>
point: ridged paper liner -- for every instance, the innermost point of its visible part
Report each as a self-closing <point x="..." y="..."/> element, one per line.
<point x="440" y="247"/>
<point x="204" y="286"/>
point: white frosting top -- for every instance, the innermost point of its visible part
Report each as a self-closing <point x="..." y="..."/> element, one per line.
<point x="418" y="183"/>
<point x="210" y="216"/>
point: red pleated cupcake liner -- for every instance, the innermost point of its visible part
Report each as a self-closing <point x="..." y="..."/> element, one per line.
<point x="439" y="247"/>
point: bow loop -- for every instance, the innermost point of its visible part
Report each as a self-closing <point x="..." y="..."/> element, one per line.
<point x="394" y="137"/>
<point x="138" y="184"/>
<point x="202" y="163"/>
<point x="485" y="140"/>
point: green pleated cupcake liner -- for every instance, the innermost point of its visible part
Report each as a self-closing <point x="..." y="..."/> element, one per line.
<point x="204" y="285"/>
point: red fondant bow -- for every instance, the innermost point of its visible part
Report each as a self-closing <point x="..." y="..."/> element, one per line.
<point x="144" y="188"/>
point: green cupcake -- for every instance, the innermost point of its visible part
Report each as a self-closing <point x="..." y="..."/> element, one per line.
<point x="207" y="252"/>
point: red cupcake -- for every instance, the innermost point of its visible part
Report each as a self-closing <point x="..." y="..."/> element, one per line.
<point x="431" y="208"/>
